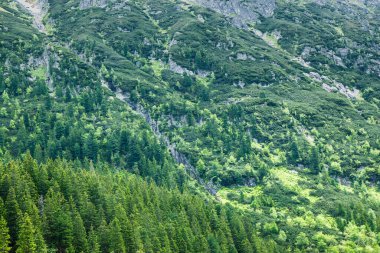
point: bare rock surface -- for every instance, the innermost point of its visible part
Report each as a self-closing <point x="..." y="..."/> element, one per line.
<point x="241" y="12"/>
<point x="38" y="9"/>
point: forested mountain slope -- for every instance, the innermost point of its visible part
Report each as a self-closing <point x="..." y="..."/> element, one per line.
<point x="264" y="113"/>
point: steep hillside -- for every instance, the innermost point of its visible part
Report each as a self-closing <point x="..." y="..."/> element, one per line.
<point x="268" y="107"/>
<point x="197" y="61"/>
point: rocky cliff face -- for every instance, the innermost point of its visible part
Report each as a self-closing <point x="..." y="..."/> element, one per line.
<point x="85" y="4"/>
<point x="38" y="9"/>
<point x="241" y="12"/>
<point x="371" y="3"/>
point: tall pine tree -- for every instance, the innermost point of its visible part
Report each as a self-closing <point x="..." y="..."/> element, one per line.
<point x="26" y="242"/>
<point x="4" y="236"/>
<point x="116" y="238"/>
<point x="94" y="246"/>
<point x="13" y="212"/>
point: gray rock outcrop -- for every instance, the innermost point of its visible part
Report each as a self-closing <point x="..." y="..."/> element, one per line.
<point x="241" y="12"/>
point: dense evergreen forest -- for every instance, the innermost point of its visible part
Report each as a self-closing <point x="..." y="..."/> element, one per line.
<point x="60" y="207"/>
<point x="189" y="126"/>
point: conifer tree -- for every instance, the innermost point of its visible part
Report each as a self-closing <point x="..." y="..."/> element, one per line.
<point x="294" y="155"/>
<point x="58" y="225"/>
<point x="164" y="239"/>
<point x="201" y="244"/>
<point x="26" y="242"/>
<point x="4" y="236"/>
<point x="132" y="237"/>
<point x="80" y="242"/>
<point x="91" y="147"/>
<point x="315" y="160"/>
<point x="213" y="245"/>
<point x="2" y="207"/>
<point x="94" y="246"/>
<point x="116" y="238"/>
<point x="40" y="242"/>
<point x="103" y="236"/>
<point x="239" y="235"/>
<point x="13" y="213"/>
<point x="223" y="242"/>
<point x="38" y="153"/>
<point x="256" y="243"/>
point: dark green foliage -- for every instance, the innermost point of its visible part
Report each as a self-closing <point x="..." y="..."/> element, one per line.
<point x="4" y="236"/>
<point x="130" y="214"/>
<point x="26" y="241"/>
<point x="299" y="165"/>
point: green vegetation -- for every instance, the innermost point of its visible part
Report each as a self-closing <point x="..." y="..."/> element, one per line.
<point x="118" y="123"/>
<point x="58" y="206"/>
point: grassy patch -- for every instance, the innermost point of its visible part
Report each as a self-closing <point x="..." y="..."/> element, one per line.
<point x="39" y="73"/>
